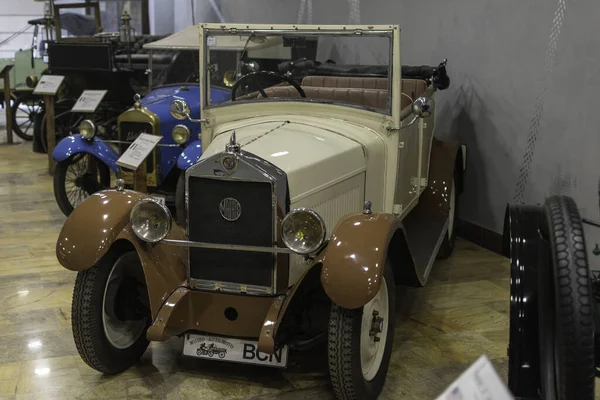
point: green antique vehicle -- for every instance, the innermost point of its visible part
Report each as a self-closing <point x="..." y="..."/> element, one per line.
<point x="28" y="66"/>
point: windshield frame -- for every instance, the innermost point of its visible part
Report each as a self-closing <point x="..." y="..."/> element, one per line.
<point x="208" y="30"/>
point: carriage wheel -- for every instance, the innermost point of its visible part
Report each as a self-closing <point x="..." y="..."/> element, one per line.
<point x="23" y="111"/>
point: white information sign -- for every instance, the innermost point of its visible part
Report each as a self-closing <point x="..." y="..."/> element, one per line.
<point x="211" y="41"/>
<point x="138" y="151"/>
<point x="232" y="349"/>
<point x="88" y="101"/>
<point x="479" y="382"/>
<point x="48" y="84"/>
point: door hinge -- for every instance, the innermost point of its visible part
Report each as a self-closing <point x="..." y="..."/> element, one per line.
<point x="397" y="209"/>
<point x="422" y="182"/>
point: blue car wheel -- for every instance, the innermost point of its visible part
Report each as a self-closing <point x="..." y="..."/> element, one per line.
<point x="78" y="177"/>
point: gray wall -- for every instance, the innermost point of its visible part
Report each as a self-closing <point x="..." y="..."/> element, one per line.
<point x="522" y="72"/>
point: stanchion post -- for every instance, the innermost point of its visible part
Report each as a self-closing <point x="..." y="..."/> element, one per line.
<point x="5" y="75"/>
<point x="50" y="135"/>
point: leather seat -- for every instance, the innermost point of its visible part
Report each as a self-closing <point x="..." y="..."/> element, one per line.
<point x="373" y="98"/>
<point x="412" y="87"/>
<point x="346" y="82"/>
<point x="367" y="92"/>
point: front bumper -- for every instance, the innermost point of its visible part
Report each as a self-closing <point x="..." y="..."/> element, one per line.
<point x="214" y="313"/>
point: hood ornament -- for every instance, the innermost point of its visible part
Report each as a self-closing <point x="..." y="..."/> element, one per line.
<point x="232" y="146"/>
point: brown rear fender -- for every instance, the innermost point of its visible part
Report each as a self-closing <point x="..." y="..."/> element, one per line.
<point x="93" y="227"/>
<point x="355" y="257"/>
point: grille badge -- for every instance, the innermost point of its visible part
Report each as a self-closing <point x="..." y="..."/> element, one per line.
<point x="230" y="209"/>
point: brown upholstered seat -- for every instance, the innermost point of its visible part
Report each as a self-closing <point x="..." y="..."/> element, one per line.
<point x="412" y="87"/>
<point x="367" y="92"/>
<point x="346" y="82"/>
<point x="373" y="98"/>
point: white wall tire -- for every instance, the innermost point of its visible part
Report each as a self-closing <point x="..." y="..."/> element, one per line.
<point x="112" y="350"/>
<point x="358" y="362"/>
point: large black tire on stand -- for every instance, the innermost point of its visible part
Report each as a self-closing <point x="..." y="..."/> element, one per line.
<point x="551" y="349"/>
<point x="358" y="361"/>
<point x="522" y="245"/>
<point x="78" y="177"/>
<point x="110" y="312"/>
<point x="566" y="306"/>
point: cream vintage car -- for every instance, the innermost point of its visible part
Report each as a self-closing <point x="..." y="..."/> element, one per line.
<point x="319" y="190"/>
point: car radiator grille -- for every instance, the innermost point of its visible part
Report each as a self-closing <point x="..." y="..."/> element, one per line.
<point x="254" y="227"/>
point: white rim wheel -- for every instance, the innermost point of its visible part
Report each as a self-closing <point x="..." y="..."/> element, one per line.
<point x="452" y="201"/>
<point x="373" y="332"/>
<point x="121" y="334"/>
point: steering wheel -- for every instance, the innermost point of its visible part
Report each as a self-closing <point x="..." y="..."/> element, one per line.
<point x="254" y="77"/>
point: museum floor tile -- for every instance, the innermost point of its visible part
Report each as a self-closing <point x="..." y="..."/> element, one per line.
<point x="441" y="328"/>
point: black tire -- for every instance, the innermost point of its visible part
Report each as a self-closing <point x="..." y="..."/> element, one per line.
<point x="447" y="246"/>
<point x="566" y="306"/>
<point x="23" y="111"/>
<point x="73" y="168"/>
<point x="180" y="200"/>
<point x="344" y="354"/>
<point x="87" y="318"/>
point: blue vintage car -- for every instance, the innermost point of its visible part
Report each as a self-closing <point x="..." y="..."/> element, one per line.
<point x="84" y="161"/>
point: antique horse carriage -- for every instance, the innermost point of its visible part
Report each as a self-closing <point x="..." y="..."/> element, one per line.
<point x="554" y="349"/>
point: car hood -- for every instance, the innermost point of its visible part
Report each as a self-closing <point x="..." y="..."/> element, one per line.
<point x="312" y="157"/>
<point x="159" y="99"/>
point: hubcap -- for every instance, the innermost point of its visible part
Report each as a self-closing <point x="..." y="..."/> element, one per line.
<point x="121" y="333"/>
<point x="374" y="331"/>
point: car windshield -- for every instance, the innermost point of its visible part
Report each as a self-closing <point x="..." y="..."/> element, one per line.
<point x="174" y="67"/>
<point x="349" y="68"/>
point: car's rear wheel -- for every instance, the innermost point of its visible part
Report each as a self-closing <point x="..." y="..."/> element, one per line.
<point x="360" y="344"/>
<point x="447" y="247"/>
<point x="110" y="312"/>
<point x="78" y="177"/>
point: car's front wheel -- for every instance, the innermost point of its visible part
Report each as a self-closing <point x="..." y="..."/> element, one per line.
<point x="78" y="177"/>
<point x="111" y="313"/>
<point x="360" y="344"/>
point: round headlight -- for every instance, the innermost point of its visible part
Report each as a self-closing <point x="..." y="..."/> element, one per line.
<point x="150" y="220"/>
<point x="87" y="129"/>
<point x="303" y="231"/>
<point x="181" y="134"/>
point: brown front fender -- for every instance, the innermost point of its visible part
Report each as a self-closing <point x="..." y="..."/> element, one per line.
<point x="93" y="227"/>
<point x="102" y="221"/>
<point x="355" y="257"/>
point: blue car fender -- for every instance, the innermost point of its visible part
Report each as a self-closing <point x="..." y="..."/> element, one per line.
<point x="77" y="144"/>
<point x="190" y="155"/>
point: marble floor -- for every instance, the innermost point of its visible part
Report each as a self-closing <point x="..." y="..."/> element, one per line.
<point x="441" y="328"/>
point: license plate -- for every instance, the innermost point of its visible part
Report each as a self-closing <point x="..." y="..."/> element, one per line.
<point x="233" y="350"/>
